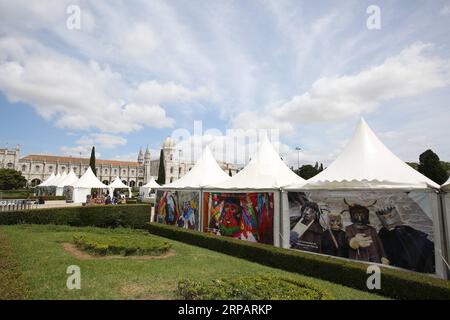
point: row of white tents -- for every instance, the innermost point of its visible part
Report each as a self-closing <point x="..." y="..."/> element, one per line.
<point x="82" y="187"/>
<point x="364" y="164"/>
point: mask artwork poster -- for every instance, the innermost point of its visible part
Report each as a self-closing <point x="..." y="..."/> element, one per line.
<point x="178" y="208"/>
<point x="245" y="216"/>
<point x="392" y="228"/>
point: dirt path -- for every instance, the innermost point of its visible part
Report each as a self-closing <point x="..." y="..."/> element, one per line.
<point x="81" y="255"/>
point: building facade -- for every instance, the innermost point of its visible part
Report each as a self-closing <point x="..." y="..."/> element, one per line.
<point x="37" y="168"/>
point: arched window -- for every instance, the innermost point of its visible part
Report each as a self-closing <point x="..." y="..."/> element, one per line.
<point x="140" y="184"/>
<point x="37" y="168"/>
<point x="132" y="171"/>
<point x="105" y="171"/>
<point x="171" y="179"/>
<point x="50" y="168"/>
<point x="124" y="171"/>
<point x="9" y="165"/>
<point x="115" y="171"/>
<point x="62" y="168"/>
<point x="24" y="168"/>
<point x="132" y="183"/>
<point x="171" y="169"/>
<point x="35" y="182"/>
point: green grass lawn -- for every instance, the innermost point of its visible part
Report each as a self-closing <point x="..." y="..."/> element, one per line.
<point x="42" y="262"/>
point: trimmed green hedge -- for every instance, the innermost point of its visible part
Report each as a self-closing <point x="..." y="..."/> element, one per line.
<point x="256" y="287"/>
<point x="396" y="284"/>
<point x="111" y="216"/>
<point x="125" y="245"/>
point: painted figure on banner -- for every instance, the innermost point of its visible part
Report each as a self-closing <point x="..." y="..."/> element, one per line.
<point x="231" y="218"/>
<point x="242" y="216"/>
<point x="405" y="246"/>
<point x="187" y="218"/>
<point x="333" y="240"/>
<point x="363" y="240"/>
<point x="307" y="233"/>
<point x="215" y="211"/>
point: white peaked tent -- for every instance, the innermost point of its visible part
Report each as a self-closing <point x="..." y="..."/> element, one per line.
<point x="68" y="180"/>
<point x="54" y="180"/>
<point x="146" y="189"/>
<point x="57" y="181"/>
<point x="83" y="186"/>
<point x="47" y="181"/>
<point x="206" y="171"/>
<point x="118" y="184"/>
<point x="266" y="172"/>
<point x="367" y="164"/>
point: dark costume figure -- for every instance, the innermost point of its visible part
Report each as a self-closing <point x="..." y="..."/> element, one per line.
<point x="405" y="246"/>
<point x="333" y="240"/>
<point x="364" y="243"/>
<point x="307" y="233"/>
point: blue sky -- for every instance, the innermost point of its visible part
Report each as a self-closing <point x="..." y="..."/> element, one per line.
<point x="137" y="70"/>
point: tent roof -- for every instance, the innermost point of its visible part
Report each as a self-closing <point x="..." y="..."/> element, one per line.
<point x="205" y="171"/>
<point x="49" y="180"/>
<point x="118" y="184"/>
<point x="265" y="170"/>
<point x="68" y="180"/>
<point x="366" y="163"/>
<point x="446" y="185"/>
<point x="57" y="181"/>
<point x="89" y="180"/>
<point x="151" y="184"/>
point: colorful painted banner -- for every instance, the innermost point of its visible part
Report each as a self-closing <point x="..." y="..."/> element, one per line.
<point x="393" y="228"/>
<point x="246" y="216"/>
<point x="178" y="208"/>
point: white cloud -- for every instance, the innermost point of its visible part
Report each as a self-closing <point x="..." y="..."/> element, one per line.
<point x="445" y="11"/>
<point x="408" y="74"/>
<point x="102" y="140"/>
<point x="78" y="95"/>
<point x="77" y="151"/>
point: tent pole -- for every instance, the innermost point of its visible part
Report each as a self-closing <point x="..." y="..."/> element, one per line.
<point x="200" y="210"/>
<point x="276" y="218"/>
<point x="445" y="233"/>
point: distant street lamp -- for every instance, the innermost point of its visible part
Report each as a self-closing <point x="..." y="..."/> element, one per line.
<point x="179" y="165"/>
<point x="298" y="156"/>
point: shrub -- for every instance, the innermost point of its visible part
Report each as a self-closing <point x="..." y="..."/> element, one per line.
<point x="256" y="287"/>
<point x="395" y="283"/>
<point x="125" y="245"/>
<point x="130" y="216"/>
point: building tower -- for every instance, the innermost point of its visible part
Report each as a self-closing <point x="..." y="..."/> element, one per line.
<point x="169" y="159"/>
<point x="140" y="156"/>
<point x="147" y="166"/>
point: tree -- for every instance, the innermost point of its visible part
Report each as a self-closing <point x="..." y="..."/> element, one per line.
<point x="92" y="161"/>
<point x="307" y="171"/>
<point x="162" y="170"/>
<point x="11" y="179"/>
<point x="431" y="167"/>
